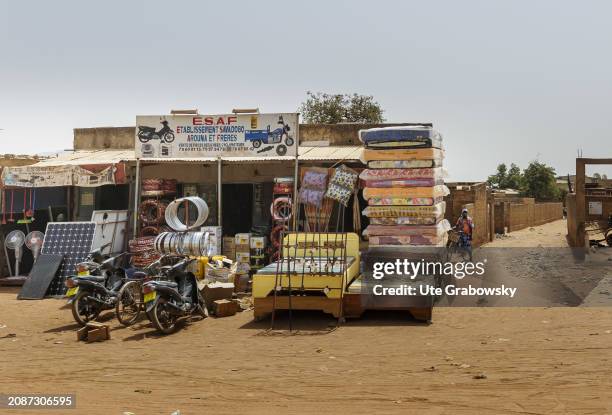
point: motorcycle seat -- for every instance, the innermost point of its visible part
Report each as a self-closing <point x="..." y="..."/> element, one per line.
<point x="168" y="284"/>
<point x="92" y="278"/>
<point x="138" y="275"/>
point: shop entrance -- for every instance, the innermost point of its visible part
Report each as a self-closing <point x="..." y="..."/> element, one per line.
<point x="237" y="202"/>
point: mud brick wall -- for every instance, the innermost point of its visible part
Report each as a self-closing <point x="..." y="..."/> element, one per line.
<point x="524" y="215"/>
<point x="572" y="229"/>
<point x="474" y="198"/>
<point x="547" y="212"/>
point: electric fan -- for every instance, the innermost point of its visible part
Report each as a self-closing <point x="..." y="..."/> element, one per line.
<point x="14" y="241"/>
<point x="34" y="241"/>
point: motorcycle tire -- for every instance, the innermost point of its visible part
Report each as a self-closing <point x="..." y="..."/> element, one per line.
<point x="256" y="144"/>
<point x="89" y="316"/>
<point x="168" y="137"/>
<point x="158" y="320"/>
<point x="281" y="150"/>
<point x="129" y="298"/>
<point x="143" y="139"/>
<point x="289" y="141"/>
<point x="201" y="306"/>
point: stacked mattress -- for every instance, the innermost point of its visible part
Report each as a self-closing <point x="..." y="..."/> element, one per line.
<point x="404" y="186"/>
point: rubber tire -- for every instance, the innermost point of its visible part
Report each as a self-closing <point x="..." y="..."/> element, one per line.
<point x="202" y="307"/>
<point x="75" y="309"/>
<point x="289" y="141"/>
<point x="256" y="144"/>
<point x="157" y="324"/>
<point x="119" y="297"/>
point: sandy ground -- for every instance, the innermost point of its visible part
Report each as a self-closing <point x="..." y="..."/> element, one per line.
<point x="534" y="361"/>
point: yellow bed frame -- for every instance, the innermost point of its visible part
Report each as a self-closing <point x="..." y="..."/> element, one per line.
<point x="318" y="290"/>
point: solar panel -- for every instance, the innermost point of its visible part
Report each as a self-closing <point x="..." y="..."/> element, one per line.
<point x="71" y="239"/>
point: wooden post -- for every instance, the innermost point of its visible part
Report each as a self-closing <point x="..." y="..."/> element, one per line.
<point x="580" y="202"/>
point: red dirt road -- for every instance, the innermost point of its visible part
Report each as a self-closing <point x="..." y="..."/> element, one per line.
<point x="536" y="361"/>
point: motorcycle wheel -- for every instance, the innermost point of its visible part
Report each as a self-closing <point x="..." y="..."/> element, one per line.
<point x="256" y="144"/>
<point x="289" y="141"/>
<point x="201" y="306"/>
<point x="143" y="138"/>
<point x="129" y="303"/>
<point x="82" y="310"/>
<point x="161" y="318"/>
<point x="169" y="137"/>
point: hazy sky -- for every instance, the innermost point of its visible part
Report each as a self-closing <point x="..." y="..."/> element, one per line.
<point x="502" y="80"/>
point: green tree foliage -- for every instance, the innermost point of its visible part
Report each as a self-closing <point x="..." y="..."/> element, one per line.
<point x="507" y="179"/>
<point x="539" y="182"/>
<point x="321" y="108"/>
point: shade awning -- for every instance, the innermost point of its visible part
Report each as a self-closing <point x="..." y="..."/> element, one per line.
<point x="79" y="168"/>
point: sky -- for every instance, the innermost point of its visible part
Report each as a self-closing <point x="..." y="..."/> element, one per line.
<point x="503" y="81"/>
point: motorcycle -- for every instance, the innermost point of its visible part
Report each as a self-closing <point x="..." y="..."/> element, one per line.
<point x="95" y="287"/>
<point x="165" y="134"/>
<point x="178" y="298"/>
<point x="130" y="302"/>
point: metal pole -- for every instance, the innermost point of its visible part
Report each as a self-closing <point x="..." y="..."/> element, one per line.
<point x="296" y="174"/>
<point x="219" y="185"/>
<point x="295" y="193"/>
<point x="136" y="199"/>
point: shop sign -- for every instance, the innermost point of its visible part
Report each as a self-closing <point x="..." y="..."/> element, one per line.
<point x="595" y="208"/>
<point x="229" y="135"/>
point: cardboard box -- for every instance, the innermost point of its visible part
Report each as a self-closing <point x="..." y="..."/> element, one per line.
<point x="225" y="308"/>
<point x="242" y="238"/>
<point x="243" y="257"/>
<point x="229" y="247"/>
<point x="242" y="283"/>
<point x="258" y="242"/>
<point x="243" y="249"/>
<point x="217" y="291"/>
<point x="93" y="332"/>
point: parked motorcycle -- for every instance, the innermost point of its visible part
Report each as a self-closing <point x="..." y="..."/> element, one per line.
<point x="165" y="134"/>
<point x="168" y="302"/>
<point x="130" y="302"/>
<point x="95" y="287"/>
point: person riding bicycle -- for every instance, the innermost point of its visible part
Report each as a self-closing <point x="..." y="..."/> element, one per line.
<point x="465" y="227"/>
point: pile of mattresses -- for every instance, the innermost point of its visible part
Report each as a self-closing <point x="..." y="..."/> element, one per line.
<point x="404" y="187"/>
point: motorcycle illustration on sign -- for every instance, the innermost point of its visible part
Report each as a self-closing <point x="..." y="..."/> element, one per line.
<point x="165" y="134"/>
<point x="259" y="137"/>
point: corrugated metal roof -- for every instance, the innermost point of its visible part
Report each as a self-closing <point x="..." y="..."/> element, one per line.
<point x="84" y="157"/>
<point x="179" y="160"/>
<point x="306" y="153"/>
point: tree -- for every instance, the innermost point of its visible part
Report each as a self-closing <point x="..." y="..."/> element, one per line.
<point x="499" y="177"/>
<point x="322" y="108"/>
<point x="506" y="179"/>
<point x="539" y="182"/>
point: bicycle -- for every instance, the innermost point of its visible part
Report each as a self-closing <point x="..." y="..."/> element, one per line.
<point x="460" y="243"/>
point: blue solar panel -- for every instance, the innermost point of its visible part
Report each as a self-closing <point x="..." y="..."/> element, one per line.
<point x="74" y="241"/>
